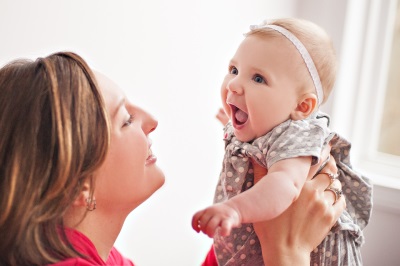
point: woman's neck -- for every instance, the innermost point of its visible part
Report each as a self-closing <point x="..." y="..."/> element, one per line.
<point x="101" y="228"/>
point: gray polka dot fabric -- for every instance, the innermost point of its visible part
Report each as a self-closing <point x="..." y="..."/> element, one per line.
<point x="287" y="140"/>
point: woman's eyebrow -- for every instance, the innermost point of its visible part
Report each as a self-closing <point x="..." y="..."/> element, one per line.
<point x="120" y="104"/>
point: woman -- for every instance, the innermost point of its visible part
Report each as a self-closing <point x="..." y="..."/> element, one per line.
<point x="75" y="160"/>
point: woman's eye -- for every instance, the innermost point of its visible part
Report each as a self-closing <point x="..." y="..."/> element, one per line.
<point x="128" y="122"/>
<point x="259" y="79"/>
<point x="233" y="70"/>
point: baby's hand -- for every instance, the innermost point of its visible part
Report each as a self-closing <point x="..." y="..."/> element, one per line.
<point x="219" y="216"/>
<point x="222" y="117"/>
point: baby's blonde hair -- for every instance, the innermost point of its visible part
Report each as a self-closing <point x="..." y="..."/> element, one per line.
<point x="317" y="42"/>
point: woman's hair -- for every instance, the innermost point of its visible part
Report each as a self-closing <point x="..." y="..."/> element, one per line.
<point x="317" y="42"/>
<point x="54" y="134"/>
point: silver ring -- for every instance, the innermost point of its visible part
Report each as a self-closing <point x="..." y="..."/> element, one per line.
<point x="338" y="193"/>
<point x="332" y="177"/>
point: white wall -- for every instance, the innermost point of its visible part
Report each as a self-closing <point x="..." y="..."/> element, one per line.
<point x="170" y="57"/>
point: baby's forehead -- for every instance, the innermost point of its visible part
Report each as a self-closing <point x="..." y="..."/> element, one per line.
<point x="274" y="57"/>
<point x="273" y="37"/>
<point x="276" y="47"/>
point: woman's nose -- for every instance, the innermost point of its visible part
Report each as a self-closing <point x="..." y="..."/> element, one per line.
<point x="149" y="123"/>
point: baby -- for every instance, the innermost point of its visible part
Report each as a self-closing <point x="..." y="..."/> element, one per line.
<point x="279" y="76"/>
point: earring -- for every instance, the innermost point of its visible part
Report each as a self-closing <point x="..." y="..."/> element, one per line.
<point x="90" y="204"/>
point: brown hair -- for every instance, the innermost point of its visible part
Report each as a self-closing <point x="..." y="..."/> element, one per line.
<point x="317" y="42"/>
<point x="54" y="134"/>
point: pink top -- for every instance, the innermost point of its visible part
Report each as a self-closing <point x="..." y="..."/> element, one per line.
<point x="83" y="244"/>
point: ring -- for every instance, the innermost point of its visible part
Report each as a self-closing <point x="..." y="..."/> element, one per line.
<point x="338" y="193"/>
<point x="331" y="176"/>
<point x="323" y="164"/>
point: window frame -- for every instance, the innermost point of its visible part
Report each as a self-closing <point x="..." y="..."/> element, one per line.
<point x="360" y="90"/>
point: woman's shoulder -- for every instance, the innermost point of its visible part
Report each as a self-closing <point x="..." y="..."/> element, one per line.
<point x="73" y="262"/>
<point x="115" y="258"/>
<point x="84" y="245"/>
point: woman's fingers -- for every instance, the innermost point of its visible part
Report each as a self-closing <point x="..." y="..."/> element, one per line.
<point x="338" y="208"/>
<point x="334" y="212"/>
<point x="334" y="191"/>
<point x="325" y="157"/>
<point x="329" y="185"/>
<point x="327" y="174"/>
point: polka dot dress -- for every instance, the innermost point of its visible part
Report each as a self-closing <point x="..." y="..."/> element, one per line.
<point x="287" y="140"/>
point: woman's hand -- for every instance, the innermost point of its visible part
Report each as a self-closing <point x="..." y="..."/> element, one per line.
<point x="289" y="238"/>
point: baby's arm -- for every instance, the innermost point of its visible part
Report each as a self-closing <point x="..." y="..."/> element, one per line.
<point x="274" y="193"/>
<point x="271" y="196"/>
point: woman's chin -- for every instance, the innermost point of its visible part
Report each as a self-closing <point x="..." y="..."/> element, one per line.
<point x="158" y="178"/>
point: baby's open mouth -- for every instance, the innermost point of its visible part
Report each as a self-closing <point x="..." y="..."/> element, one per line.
<point x="240" y="117"/>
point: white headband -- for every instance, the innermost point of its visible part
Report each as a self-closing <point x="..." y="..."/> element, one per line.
<point x="304" y="54"/>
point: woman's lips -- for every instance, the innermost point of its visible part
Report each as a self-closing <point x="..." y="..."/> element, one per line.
<point x="150" y="158"/>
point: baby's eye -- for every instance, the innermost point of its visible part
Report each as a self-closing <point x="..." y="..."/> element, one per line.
<point x="128" y="122"/>
<point x="259" y="79"/>
<point x="233" y="70"/>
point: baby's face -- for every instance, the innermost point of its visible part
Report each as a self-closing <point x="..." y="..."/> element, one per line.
<point x="261" y="89"/>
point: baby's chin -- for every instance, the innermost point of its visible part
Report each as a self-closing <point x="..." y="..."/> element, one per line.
<point x="244" y="137"/>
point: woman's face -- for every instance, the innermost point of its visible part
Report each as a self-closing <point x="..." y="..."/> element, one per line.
<point x="129" y="174"/>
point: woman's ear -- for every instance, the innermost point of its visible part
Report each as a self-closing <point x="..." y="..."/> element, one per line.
<point x="305" y="107"/>
<point x="84" y="195"/>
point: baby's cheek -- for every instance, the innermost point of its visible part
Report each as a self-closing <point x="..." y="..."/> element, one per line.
<point x="227" y="110"/>
<point x="224" y="89"/>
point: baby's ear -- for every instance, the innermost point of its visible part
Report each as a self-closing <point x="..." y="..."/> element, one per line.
<point x="305" y="107"/>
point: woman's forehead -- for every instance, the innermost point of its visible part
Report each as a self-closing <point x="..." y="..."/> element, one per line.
<point x="113" y="95"/>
